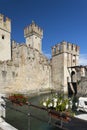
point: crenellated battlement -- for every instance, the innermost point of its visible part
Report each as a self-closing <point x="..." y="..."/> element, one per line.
<point x="5" y="23"/>
<point x="33" y="29"/>
<point x="65" y="47"/>
<point x="14" y="44"/>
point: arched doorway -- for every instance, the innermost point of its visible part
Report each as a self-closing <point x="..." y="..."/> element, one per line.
<point x="72" y="86"/>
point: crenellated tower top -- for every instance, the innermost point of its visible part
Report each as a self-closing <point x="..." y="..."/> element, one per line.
<point x="33" y="29"/>
<point x="33" y="35"/>
<point x="5" y="23"/>
<point x="65" y="47"/>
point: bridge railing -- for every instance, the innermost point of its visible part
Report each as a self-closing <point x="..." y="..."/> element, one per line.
<point x="2" y="109"/>
<point x="52" y="114"/>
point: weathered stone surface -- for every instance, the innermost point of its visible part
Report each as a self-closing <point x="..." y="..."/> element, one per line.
<point x="5" y="38"/>
<point x="32" y="72"/>
<point x="82" y="86"/>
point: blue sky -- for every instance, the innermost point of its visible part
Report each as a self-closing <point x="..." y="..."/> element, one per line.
<point x="59" y="19"/>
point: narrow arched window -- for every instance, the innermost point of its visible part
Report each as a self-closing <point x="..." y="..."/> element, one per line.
<point x="3" y="37"/>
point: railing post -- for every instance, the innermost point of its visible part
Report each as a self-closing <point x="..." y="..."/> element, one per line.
<point x="2" y="109"/>
<point x="29" y="119"/>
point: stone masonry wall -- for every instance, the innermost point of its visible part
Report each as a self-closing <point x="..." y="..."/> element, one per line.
<point x="28" y="70"/>
<point x="82" y="86"/>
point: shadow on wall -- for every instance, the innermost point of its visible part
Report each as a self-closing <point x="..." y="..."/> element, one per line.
<point x="70" y="91"/>
<point x="72" y="86"/>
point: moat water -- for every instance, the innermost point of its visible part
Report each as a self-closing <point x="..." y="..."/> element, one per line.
<point x="37" y="121"/>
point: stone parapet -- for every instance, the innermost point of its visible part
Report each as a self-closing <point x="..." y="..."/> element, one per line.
<point x="33" y="29"/>
<point x="65" y="47"/>
<point x="5" y="23"/>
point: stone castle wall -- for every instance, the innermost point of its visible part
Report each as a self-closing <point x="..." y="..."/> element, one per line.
<point x="29" y="70"/>
<point x="23" y="67"/>
<point x="64" y="55"/>
<point x="5" y="36"/>
<point x="82" y="84"/>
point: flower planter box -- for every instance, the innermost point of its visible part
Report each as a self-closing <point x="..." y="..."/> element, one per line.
<point x="18" y="99"/>
<point x="63" y="116"/>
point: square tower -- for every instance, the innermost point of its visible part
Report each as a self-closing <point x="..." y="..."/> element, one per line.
<point x="5" y="38"/>
<point x="33" y="35"/>
<point x="64" y="55"/>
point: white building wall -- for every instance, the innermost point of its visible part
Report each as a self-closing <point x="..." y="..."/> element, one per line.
<point x="5" y="45"/>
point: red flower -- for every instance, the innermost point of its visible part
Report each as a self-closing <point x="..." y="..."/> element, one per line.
<point x="18" y="99"/>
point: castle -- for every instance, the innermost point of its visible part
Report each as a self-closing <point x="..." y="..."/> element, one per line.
<point x="24" y="68"/>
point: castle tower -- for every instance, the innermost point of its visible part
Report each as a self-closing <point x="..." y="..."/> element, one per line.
<point x="64" y="55"/>
<point x="5" y="38"/>
<point x="33" y="35"/>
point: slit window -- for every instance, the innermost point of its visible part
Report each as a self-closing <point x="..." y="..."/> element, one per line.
<point x="3" y="37"/>
<point x="85" y="102"/>
<point x="13" y="74"/>
<point x="4" y="73"/>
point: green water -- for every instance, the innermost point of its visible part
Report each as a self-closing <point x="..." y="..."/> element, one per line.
<point x="23" y="122"/>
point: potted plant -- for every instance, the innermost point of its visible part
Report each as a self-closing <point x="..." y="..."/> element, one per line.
<point x="58" y="107"/>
